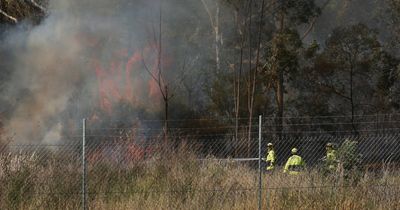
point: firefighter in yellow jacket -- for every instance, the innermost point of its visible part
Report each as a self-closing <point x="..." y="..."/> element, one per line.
<point x="294" y="164"/>
<point x="330" y="158"/>
<point x="271" y="158"/>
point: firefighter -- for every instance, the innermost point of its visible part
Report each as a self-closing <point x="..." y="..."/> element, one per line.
<point x="270" y="157"/>
<point x="294" y="164"/>
<point x="330" y="158"/>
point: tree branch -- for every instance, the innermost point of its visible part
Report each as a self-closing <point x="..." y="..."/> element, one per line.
<point x="333" y="90"/>
<point x="36" y="5"/>
<point x="208" y="12"/>
<point x="9" y="17"/>
<point x="312" y="24"/>
<point x="153" y="76"/>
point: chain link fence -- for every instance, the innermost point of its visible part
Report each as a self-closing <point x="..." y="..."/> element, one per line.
<point x="207" y="164"/>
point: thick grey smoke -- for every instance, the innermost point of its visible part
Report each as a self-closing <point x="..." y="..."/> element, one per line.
<point x="52" y="70"/>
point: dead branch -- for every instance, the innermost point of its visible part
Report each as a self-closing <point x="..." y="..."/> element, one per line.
<point x="34" y="4"/>
<point x="312" y="24"/>
<point x="156" y="79"/>
<point x="333" y="90"/>
<point x="209" y="13"/>
<point x="218" y="35"/>
<point x="9" y="17"/>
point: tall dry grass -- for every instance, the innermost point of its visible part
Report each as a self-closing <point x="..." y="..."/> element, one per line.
<point x="180" y="181"/>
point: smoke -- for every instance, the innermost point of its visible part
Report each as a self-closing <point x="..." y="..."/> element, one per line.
<point x="45" y="67"/>
<point x="85" y="56"/>
<point x="349" y="12"/>
<point x="85" y="60"/>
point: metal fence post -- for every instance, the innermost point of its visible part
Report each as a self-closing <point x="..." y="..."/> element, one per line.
<point x="84" y="190"/>
<point x="259" y="165"/>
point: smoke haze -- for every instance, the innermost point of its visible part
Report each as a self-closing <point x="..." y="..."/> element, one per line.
<point x="85" y="59"/>
<point x="84" y="56"/>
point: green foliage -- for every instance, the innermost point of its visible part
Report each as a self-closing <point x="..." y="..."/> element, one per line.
<point x="347" y="73"/>
<point x="348" y="155"/>
<point x="393" y="11"/>
<point x="283" y="53"/>
<point x="316" y="75"/>
<point x="221" y="94"/>
<point x="300" y="11"/>
<point x="356" y="43"/>
<point x="311" y="50"/>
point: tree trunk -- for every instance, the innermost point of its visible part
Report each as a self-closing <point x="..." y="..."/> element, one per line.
<point x="166" y="100"/>
<point x="280" y="102"/>
<point x="214" y="21"/>
<point x="250" y="95"/>
<point x="352" y="98"/>
<point x="280" y="88"/>
<point x="217" y="39"/>
<point x="237" y="96"/>
<point x="237" y="81"/>
<point x="253" y="72"/>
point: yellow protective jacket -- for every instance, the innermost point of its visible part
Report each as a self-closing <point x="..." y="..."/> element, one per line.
<point x="331" y="160"/>
<point x="271" y="158"/>
<point x="294" y="165"/>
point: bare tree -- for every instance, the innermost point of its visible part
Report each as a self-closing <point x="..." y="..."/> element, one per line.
<point x="159" y="77"/>
<point x="163" y="85"/>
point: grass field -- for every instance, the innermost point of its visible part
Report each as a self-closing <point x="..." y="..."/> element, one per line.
<point x="180" y="181"/>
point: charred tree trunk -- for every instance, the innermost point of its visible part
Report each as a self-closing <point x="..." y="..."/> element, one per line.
<point x="158" y="77"/>
<point x="280" y="102"/>
<point x="280" y="88"/>
<point x="237" y="79"/>
<point x="250" y="96"/>
<point x="237" y="96"/>
<point x="352" y="98"/>
<point x="258" y="53"/>
<point x="166" y="100"/>
<point x="253" y="73"/>
<point x="217" y="39"/>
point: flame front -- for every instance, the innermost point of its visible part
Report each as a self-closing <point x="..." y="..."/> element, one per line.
<point x="124" y="80"/>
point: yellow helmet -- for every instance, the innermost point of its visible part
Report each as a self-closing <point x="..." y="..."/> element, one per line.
<point x="270" y="145"/>
<point x="294" y="150"/>
<point x="329" y="145"/>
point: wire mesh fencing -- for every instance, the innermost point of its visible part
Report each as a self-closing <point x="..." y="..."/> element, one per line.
<point x="40" y="176"/>
<point x="210" y="166"/>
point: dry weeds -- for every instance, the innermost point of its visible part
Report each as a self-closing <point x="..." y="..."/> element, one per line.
<point x="180" y="181"/>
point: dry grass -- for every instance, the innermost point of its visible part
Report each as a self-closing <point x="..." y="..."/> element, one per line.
<point x="180" y="181"/>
